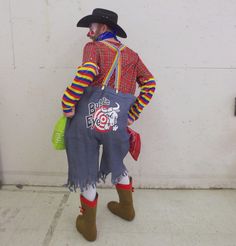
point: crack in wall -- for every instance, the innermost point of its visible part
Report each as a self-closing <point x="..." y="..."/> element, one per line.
<point x="12" y="36"/>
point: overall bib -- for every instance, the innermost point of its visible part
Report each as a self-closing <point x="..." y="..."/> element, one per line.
<point x="100" y="118"/>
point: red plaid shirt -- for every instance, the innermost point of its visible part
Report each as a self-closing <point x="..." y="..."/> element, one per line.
<point x="132" y="68"/>
<point x="97" y="60"/>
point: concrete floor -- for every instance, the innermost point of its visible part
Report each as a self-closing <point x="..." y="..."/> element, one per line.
<point x="46" y="216"/>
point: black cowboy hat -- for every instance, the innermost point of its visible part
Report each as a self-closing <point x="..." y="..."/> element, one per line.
<point x="103" y="16"/>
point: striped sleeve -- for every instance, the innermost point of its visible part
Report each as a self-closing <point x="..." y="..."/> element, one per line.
<point x="147" y="88"/>
<point x="84" y="76"/>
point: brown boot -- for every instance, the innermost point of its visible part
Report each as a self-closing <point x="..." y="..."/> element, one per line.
<point x="86" y="223"/>
<point x="124" y="208"/>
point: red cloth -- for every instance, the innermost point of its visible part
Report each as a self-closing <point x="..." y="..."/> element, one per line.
<point x="135" y="143"/>
<point x="132" y="70"/>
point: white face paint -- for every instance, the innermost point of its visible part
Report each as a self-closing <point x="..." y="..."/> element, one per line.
<point x="94" y="30"/>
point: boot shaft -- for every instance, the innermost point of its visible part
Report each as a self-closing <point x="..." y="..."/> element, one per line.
<point x="89" y="208"/>
<point x="125" y="193"/>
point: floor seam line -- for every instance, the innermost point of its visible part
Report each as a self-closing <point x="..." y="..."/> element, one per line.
<point x="56" y="217"/>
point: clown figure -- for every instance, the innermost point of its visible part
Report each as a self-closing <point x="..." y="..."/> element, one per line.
<point x="100" y="105"/>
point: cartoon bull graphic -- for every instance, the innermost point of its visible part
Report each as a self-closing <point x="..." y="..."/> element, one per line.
<point x="106" y="118"/>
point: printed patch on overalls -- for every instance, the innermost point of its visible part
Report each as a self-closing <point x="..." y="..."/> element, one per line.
<point x="102" y="117"/>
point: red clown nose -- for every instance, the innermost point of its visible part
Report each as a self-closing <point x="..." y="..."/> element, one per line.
<point x="90" y="33"/>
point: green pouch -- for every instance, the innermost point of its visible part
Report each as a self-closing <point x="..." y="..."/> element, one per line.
<point x="58" y="134"/>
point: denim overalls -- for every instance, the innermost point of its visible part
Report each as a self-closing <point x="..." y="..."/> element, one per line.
<point x="100" y="118"/>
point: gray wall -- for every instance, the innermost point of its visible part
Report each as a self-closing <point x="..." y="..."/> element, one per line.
<point x="189" y="129"/>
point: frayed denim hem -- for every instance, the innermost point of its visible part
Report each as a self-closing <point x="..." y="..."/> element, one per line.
<point x="83" y="185"/>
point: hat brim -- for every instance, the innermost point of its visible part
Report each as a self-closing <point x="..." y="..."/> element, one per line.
<point x="87" y="20"/>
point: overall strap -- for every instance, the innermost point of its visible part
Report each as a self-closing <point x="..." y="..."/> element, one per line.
<point x="116" y="65"/>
